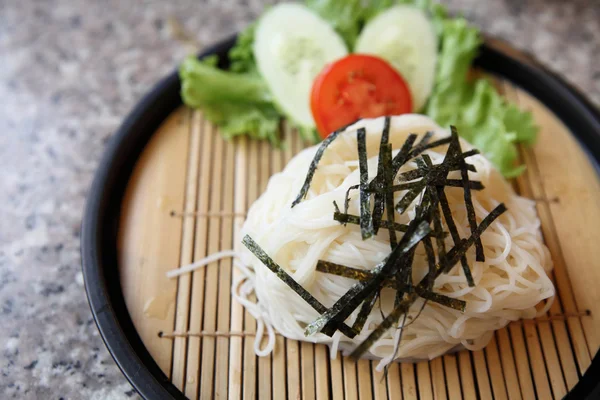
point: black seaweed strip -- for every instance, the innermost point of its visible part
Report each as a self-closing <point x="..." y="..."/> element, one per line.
<point x="410" y="196"/>
<point x="315" y="162"/>
<point x="361" y="290"/>
<point x="389" y="196"/>
<point x="473" y="185"/>
<point x="366" y="222"/>
<point x="404" y="154"/>
<point x="470" y="153"/>
<point x="288" y="280"/>
<point x="479" y="254"/>
<point x="424" y="141"/>
<point x="443" y="300"/>
<point x="382" y="166"/>
<point x="342" y="270"/>
<point x="404" y="306"/>
<point x="364" y="312"/>
<point x="404" y="276"/>
<point x="421" y="147"/>
<point x="453" y="152"/>
<point x="459" y="250"/>
<point x="397" y="188"/>
<point x="386" y="324"/>
<point x="336" y="208"/>
<point x="355" y="220"/>
<point x="430" y="257"/>
<point x="347" y="198"/>
<point x="416" y="174"/>
<point x="397" y="162"/>
<point x="363" y="275"/>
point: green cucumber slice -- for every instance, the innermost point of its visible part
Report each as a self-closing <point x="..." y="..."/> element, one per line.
<point x="291" y="46"/>
<point x="405" y="37"/>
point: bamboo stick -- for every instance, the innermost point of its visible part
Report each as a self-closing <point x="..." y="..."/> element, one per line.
<point x="200" y="251"/>
<point x="186" y="256"/>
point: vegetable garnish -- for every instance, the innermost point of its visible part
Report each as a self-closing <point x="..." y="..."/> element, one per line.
<point x="357" y="86"/>
<point x="433" y="59"/>
<point x="394" y="271"/>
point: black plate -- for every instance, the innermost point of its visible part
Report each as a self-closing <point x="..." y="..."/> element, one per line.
<point x="100" y="223"/>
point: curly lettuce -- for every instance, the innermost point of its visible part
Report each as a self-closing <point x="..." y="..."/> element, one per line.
<point x="240" y="104"/>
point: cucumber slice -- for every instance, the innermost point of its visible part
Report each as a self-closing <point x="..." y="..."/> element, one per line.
<point x="291" y="46"/>
<point x="405" y="37"/>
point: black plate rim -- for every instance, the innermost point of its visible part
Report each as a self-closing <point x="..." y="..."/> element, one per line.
<point x="101" y="215"/>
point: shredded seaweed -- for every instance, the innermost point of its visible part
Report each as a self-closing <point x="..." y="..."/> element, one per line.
<point x="389" y="195"/>
<point x="315" y="162"/>
<point x="364" y="312"/>
<point x="347" y="197"/>
<point x="361" y="290"/>
<point x="424" y="186"/>
<point x="366" y="221"/>
<point x="383" y="166"/>
<point x="479" y="255"/>
<point x="388" y="322"/>
<point x="364" y="275"/>
<point x="288" y="280"/>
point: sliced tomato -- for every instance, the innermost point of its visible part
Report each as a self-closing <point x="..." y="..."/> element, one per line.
<point x="357" y="86"/>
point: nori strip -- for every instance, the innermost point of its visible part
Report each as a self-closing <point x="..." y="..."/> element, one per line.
<point x="389" y="196"/>
<point x="452" y="152"/>
<point x="347" y="197"/>
<point x="400" y="159"/>
<point x="366" y="222"/>
<point x="459" y="250"/>
<point x="405" y="304"/>
<point x="364" y="275"/>
<point x="410" y="196"/>
<point x="382" y="166"/>
<point x="447" y="167"/>
<point x="364" y="312"/>
<point x="288" y="280"/>
<point x="335" y="206"/>
<point x="387" y="323"/>
<point x="315" y="162"/>
<point x="430" y="257"/>
<point x="443" y="300"/>
<point x="361" y="290"/>
<point x="479" y="255"/>
<point x="397" y="188"/>
<point x="421" y="147"/>
<point x="473" y="185"/>
<point x="404" y="276"/>
<point x="355" y="220"/>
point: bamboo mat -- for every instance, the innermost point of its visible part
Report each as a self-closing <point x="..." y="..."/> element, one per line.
<point x="188" y="197"/>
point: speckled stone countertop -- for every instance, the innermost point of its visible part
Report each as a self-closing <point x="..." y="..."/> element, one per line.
<point x="70" y="70"/>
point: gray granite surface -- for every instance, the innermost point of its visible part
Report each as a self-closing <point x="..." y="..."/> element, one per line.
<point x="69" y="72"/>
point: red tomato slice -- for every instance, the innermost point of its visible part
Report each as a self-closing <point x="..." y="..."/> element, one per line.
<point x="357" y="86"/>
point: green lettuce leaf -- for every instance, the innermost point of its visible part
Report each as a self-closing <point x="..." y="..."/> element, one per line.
<point x="239" y="103"/>
<point x="482" y="116"/>
<point x="241" y="55"/>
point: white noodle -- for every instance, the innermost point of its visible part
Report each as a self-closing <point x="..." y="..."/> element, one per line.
<point x="509" y="284"/>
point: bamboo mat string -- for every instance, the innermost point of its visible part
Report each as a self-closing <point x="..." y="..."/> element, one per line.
<point x="558" y="317"/>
